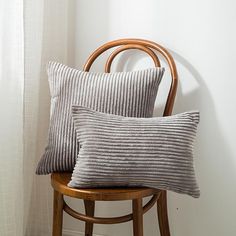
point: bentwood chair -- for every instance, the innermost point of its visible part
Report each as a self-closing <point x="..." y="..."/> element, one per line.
<point x="59" y="180"/>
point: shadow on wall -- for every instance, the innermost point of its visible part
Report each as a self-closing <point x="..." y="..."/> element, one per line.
<point x="212" y="156"/>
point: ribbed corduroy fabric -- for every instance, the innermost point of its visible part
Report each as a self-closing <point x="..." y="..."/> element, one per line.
<point x="122" y="151"/>
<point x="126" y="93"/>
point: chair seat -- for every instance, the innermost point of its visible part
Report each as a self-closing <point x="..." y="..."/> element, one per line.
<point x="59" y="182"/>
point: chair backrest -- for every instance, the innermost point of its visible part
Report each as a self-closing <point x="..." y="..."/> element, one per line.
<point x="148" y="47"/>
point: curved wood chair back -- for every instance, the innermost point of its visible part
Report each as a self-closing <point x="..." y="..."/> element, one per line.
<point x="147" y="47"/>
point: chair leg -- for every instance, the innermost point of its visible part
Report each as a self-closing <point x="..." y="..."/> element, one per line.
<point x="137" y="217"/>
<point x="89" y="210"/>
<point x="163" y="214"/>
<point x="57" y="214"/>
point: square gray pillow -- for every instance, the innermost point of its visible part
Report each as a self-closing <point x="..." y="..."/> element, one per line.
<point x="128" y="93"/>
<point x="122" y="151"/>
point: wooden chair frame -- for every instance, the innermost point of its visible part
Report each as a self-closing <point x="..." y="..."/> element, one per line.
<point x="59" y="180"/>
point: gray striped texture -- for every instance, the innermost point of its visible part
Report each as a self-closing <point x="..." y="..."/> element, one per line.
<point x="128" y="93"/>
<point x="121" y="151"/>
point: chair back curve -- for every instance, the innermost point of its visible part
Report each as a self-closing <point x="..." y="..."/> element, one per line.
<point x="148" y="47"/>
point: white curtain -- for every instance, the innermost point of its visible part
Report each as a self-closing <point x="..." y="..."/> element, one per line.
<point x="11" y="118"/>
<point x="31" y="34"/>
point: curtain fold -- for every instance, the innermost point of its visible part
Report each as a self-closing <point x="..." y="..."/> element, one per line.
<point x="31" y="34"/>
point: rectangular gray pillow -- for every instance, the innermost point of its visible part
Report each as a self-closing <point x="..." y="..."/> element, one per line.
<point x="128" y="94"/>
<point x="123" y="151"/>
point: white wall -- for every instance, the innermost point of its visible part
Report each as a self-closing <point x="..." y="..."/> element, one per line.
<point x="201" y="36"/>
